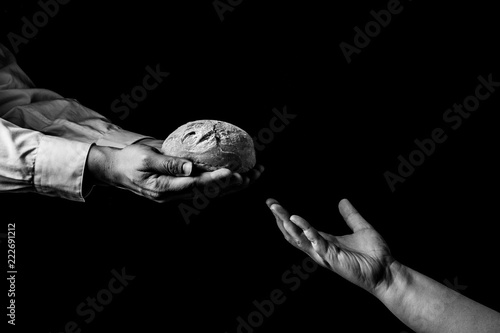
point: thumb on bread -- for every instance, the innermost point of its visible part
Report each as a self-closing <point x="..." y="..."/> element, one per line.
<point x="173" y="166"/>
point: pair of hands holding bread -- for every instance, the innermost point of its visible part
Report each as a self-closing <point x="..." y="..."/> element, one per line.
<point x="143" y="169"/>
<point x="150" y="169"/>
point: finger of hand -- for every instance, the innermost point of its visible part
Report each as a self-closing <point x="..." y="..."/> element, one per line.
<point x="319" y="244"/>
<point x="351" y="216"/>
<point x="274" y="206"/>
<point x="235" y="179"/>
<point x="227" y="181"/>
<point x="271" y="201"/>
<point x="236" y="188"/>
<point x="294" y="231"/>
<point x="256" y="172"/>
<point x="206" y="180"/>
<point x="251" y="176"/>
<point x="173" y="166"/>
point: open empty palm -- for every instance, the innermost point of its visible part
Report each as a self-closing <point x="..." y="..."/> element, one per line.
<point x="362" y="257"/>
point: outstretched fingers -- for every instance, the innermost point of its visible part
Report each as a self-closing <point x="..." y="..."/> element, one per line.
<point x="351" y="216"/>
<point x="272" y="204"/>
<point x="319" y="244"/>
<point x="287" y="228"/>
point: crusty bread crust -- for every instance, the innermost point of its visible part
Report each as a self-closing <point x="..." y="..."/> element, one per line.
<point x="211" y="145"/>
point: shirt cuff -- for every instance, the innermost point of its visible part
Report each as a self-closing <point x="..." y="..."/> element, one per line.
<point x="59" y="167"/>
<point x="120" y="138"/>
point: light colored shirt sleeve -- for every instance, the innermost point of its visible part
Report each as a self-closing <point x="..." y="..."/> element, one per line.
<point x="45" y="138"/>
<point x="34" y="162"/>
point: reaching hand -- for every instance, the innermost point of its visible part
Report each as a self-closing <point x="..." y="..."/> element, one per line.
<point x="144" y="170"/>
<point x="362" y="257"/>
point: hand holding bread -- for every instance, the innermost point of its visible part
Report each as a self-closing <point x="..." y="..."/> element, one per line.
<point x="164" y="172"/>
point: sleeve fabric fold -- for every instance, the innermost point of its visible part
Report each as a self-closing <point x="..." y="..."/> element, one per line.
<point x="45" y="138"/>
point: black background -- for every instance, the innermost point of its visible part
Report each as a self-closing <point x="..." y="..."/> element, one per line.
<point x="353" y="120"/>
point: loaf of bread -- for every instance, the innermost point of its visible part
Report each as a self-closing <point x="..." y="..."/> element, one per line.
<point x="211" y="145"/>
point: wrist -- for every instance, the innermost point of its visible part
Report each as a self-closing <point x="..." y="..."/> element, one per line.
<point x="97" y="165"/>
<point x="395" y="284"/>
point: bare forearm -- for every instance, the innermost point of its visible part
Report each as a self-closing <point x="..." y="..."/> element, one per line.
<point x="98" y="164"/>
<point x="426" y="305"/>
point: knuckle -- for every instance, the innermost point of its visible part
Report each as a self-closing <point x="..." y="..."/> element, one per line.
<point x="143" y="156"/>
<point x="155" y="195"/>
<point x="144" y="160"/>
<point x="154" y="188"/>
<point x="172" y="166"/>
